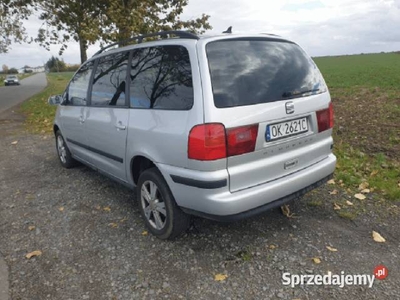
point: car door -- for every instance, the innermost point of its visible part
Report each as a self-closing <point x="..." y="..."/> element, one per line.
<point x="74" y="111"/>
<point x="108" y="115"/>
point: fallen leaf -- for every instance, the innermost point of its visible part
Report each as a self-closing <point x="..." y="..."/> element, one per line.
<point x="377" y="237"/>
<point x="331" y="249"/>
<point x="113" y="225"/>
<point x="33" y="254"/>
<point x="31" y="228"/>
<point x="123" y="220"/>
<point x="334" y="192"/>
<point x="336" y="206"/>
<point x="220" y="277"/>
<point x="29" y="197"/>
<point x="98" y="207"/>
<point x="365" y="191"/>
<point x="61" y="208"/>
<point x="359" y="196"/>
<point x="14" y="143"/>
<point x="107" y="208"/>
<point x="374" y="172"/>
<point x="332" y="181"/>
<point x="286" y="211"/>
<point x="363" y="185"/>
<point x="145" y="233"/>
<point x="349" y="203"/>
<point x="316" y="260"/>
<point x="272" y="247"/>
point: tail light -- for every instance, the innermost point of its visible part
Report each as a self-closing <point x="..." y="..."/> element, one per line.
<point x="211" y="141"/>
<point x="242" y="139"/>
<point x="325" y="118"/>
<point x="207" y="142"/>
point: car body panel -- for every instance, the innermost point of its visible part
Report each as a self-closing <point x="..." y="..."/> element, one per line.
<point x="106" y="135"/>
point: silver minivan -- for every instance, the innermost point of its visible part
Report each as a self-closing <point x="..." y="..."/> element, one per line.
<point x="223" y="127"/>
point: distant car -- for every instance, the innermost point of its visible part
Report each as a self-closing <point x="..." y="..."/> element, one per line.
<point x="11" y="79"/>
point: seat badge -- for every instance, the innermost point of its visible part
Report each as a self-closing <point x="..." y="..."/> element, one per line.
<point x="289" y="107"/>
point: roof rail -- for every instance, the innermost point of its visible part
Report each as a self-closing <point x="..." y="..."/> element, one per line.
<point x="139" y="38"/>
<point x="270" y="34"/>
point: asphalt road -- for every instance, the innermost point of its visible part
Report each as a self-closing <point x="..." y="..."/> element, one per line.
<point x="15" y="94"/>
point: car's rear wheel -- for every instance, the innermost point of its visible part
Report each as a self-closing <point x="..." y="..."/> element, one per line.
<point x="157" y="205"/>
<point x="63" y="152"/>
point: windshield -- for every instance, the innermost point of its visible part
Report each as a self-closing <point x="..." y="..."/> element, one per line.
<point x="11" y="77"/>
<point x="253" y="71"/>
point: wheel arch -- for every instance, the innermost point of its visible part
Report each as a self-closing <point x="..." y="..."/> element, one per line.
<point x="55" y="128"/>
<point x="138" y="165"/>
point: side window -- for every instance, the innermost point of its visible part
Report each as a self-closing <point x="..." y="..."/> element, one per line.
<point x="78" y="86"/>
<point x="161" y="78"/>
<point x="109" y="80"/>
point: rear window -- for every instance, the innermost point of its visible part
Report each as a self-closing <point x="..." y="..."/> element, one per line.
<point x="253" y="71"/>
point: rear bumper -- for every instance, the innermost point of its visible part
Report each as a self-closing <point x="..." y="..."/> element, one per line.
<point x="217" y="202"/>
<point x="260" y="209"/>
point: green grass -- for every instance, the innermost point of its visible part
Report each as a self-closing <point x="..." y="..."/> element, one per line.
<point x="368" y="70"/>
<point x="365" y="92"/>
<point x="39" y="113"/>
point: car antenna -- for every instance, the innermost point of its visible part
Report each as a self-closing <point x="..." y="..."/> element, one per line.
<point x="229" y="30"/>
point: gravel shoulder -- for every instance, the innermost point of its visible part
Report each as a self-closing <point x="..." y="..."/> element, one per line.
<point x="94" y="244"/>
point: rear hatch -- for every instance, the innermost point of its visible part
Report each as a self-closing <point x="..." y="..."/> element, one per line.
<point x="274" y="104"/>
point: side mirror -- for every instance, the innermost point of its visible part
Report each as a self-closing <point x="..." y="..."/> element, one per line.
<point x="55" y="100"/>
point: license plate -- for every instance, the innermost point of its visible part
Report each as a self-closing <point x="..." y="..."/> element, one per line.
<point x="286" y="129"/>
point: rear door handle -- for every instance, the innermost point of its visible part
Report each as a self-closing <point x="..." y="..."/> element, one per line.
<point x="120" y="126"/>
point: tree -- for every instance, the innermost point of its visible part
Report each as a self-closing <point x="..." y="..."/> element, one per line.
<point x="54" y="64"/>
<point x="13" y="71"/>
<point x="64" y="21"/>
<point x="5" y="69"/>
<point x="87" y="21"/>
<point x="12" y="13"/>
<point x="127" y="18"/>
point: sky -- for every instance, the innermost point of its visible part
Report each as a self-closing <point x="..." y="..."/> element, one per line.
<point x="320" y="27"/>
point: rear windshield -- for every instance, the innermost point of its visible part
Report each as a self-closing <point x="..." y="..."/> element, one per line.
<point x="253" y="71"/>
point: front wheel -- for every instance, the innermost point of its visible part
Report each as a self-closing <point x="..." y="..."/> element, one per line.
<point x="64" y="155"/>
<point x="157" y="205"/>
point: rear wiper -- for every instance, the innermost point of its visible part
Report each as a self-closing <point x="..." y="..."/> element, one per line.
<point x="295" y="93"/>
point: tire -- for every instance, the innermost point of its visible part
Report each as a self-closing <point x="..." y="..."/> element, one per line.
<point x="163" y="217"/>
<point x="63" y="152"/>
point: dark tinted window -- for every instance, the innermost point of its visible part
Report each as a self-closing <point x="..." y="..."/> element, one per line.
<point x="109" y="80"/>
<point x="161" y="78"/>
<point x="245" y="72"/>
<point x="78" y="86"/>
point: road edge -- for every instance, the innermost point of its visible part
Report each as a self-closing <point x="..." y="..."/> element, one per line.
<point x="4" y="286"/>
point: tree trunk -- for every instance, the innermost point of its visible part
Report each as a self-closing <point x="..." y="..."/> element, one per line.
<point x="83" y="48"/>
